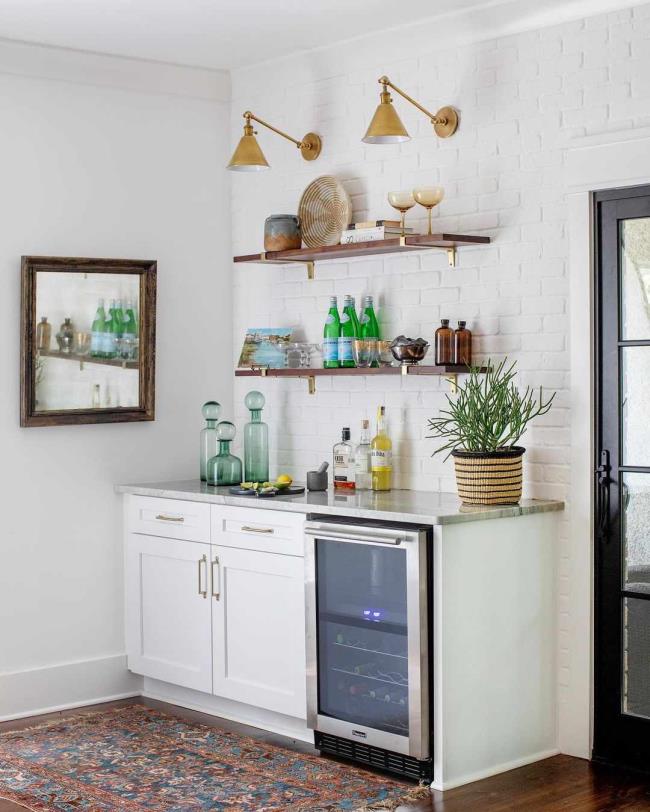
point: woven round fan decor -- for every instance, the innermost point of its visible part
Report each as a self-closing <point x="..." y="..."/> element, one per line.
<point x="324" y="211"/>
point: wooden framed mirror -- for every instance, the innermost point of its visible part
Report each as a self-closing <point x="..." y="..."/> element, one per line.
<point x="88" y="341"/>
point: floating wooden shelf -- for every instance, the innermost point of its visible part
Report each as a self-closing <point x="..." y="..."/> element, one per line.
<point x="89" y="359"/>
<point x="451" y="371"/>
<point x="393" y="245"/>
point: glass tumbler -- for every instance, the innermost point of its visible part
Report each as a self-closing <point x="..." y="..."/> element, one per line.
<point x="365" y="351"/>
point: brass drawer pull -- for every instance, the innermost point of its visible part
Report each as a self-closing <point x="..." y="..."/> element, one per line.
<point x="203" y="592"/>
<point x="216" y="585"/>
<point x="245" y="528"/>
<point x="162" y="518"/>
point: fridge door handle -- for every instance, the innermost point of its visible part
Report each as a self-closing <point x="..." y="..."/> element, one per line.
<point x="355" y="535"/>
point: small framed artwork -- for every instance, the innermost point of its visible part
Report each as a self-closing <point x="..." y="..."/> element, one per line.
<point x="88" y="341"/>
<point x="265" y="347"/>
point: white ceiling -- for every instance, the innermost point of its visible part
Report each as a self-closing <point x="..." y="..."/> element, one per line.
<point x="209" y="33"/>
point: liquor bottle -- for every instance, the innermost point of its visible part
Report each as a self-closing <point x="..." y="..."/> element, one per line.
<point x="110" y="337"/>
<point x="43" y="334"/>
<point x="362" y="473"/>
<point x="463" y="345"/>
<point x="347" y="333"/>
<point x="225" y="468"/>
<point x="444" y="344"/>
<point x="256" y="440"/>
<point x="331" y="333"/>
<point x="344" y="463"/>
<point x="97" y="331"/>
<point x="209" y="440"/>
<point x="381" y="451"/>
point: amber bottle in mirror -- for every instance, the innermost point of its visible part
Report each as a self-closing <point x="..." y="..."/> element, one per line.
<point x="444" y="344"/>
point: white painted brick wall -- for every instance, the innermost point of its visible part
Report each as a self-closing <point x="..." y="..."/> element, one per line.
<point x="521" y="98"/>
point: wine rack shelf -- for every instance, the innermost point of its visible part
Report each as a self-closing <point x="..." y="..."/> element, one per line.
<point x="89" y="359"/>
<point x="411" y="242"/>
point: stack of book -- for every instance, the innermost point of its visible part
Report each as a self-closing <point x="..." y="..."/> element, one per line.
<point x="372" y="230"/>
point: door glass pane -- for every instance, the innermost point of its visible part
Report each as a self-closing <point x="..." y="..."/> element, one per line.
<point x="635" y="405"/>
<point x="635" y="279"/>
<point x="362" y="635"/>
<point x="636" y="657"/>
<point x="635" y="510"/>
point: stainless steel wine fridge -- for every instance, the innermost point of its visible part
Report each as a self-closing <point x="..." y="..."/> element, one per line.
<point x="368" y="692"/>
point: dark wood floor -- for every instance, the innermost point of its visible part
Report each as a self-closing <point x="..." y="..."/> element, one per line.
<point x="559" y="783"/>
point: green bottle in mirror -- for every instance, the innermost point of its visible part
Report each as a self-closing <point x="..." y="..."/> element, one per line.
<point x="209" y="439"/>
<point x="331" y="333"/>
<point x="256" y="440"/>
<point x="225" y="468"/>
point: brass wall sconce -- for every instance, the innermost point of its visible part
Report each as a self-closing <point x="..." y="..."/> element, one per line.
<point x="248" y="157"/>
<point x="386" y="126"/>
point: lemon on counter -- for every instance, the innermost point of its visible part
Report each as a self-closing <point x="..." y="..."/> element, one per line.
<point x="284" y="479"/>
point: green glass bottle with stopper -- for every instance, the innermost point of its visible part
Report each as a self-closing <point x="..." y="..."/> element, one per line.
<point x="225" y="468"/>
<point x="256" y="440"/>
<point x="209" y="441"/>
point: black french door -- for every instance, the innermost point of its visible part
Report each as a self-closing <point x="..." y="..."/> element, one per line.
<point x="622" y="478"/>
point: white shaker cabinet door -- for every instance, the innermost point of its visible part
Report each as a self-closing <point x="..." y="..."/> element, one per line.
<point x="168" y="620"/>
<point x="258" y="620"/>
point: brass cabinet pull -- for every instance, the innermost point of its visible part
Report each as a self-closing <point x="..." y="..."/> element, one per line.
<point x="216" y="587"/>
<point x="202" y="592"/>
<point x="162" y="518"/>
<point x="248" y="529"/>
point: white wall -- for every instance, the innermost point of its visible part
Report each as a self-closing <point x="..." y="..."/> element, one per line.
<point x="523" y="98"/>
<point x="110" y="158"/>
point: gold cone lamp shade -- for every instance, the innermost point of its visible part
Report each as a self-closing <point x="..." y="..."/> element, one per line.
<point x="386" y="126"/>
<point x="248" y="157"/>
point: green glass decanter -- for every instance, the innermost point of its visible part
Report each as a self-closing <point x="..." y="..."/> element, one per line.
<point x="225" y="468"/>
<point x="256" y="441"/>
<point x="209" y="440"/>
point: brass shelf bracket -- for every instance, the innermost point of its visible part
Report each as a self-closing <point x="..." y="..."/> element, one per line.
<point x="453" y="383"/>
<point x="309" y="264"/>
<point x="451" y="256"/>
<point x="311" y="384"/>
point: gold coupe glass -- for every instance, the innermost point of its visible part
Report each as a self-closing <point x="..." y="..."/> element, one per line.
<point x="402" y="201"/>
<point x="429" y="196"/>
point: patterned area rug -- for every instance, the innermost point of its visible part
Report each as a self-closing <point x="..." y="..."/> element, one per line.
<point x="134" y="758"/>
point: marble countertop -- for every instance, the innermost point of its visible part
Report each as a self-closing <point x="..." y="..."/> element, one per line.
<point x="416" y="507"/>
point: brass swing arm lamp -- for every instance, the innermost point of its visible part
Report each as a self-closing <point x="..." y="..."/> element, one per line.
<point x="386" y="126"/>
<point x="248" y="156"/>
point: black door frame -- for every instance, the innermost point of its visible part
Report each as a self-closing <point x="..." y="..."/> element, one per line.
<point x="618" y="738"/>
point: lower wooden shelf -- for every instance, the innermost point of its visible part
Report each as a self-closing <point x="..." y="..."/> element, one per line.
<point x="311" y="373"/>
<point x="89" y="359"/>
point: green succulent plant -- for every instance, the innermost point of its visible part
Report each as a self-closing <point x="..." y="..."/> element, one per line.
<point x="489" y="413"/>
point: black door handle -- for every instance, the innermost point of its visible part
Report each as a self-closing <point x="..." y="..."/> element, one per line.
<point x="604" y="481"/>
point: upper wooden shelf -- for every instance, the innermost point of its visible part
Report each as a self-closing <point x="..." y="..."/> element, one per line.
<point x="411" y="242"/>
<point x="89" y="359"/>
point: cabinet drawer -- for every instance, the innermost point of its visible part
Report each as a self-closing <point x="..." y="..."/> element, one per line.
<point x="270" y="531"/>
<point x="170" y="518"/>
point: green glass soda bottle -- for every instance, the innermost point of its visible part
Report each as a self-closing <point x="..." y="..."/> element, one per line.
<point x="331" y="333"/>
<point x="110" y="336"/>
<point x="369" y="324"/>
<point x="347" y="334"/>
<point x="130" y="325"/>
<point x="355" y="318"/>
<point x="97" y="331"/>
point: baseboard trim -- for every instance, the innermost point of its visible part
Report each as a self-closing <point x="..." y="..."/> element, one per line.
<point x="64" y="686"/>
<point x="505" y="767"/>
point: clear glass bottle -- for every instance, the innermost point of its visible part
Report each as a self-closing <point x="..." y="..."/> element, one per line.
<point x="362" y="470"/>
<point x="463" y="345"/>
<point x="256" y="440"/>
<point x="344" y="463"/>
<point x="209" y="440"/>
<point x="224" y="468"/>
<point x="331" y="333"/>
<point x="444" y="344"/>
<point x="347" y="333"/>
<point x="98" y="330"/>
<point x="43" y="334"/>
<point x="65" y="336"/>
<point x="381" y="455"/>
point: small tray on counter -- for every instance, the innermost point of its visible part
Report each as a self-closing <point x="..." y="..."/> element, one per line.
<point x="290" y="490"/>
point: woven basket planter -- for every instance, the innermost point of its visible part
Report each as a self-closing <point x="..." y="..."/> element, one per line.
<point x="489" y="477"/>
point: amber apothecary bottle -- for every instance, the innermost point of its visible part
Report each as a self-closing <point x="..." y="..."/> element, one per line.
<point x="463" y="345"/>
<point x="444" y="344"/>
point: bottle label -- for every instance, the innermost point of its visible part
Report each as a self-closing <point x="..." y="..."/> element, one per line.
<point x="96" y="342"/>
<point x="330" y="319"/>
<point x="345" y="318"/>
<point x="330" y="349"/>
<point x="365" y="318"/>
<point x="345" y="349"/>
<point x="381" y="460"/>
<point x="362" y="463"/>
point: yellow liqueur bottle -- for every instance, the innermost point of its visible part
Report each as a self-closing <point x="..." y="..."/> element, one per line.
<point x="381" y="455"/>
